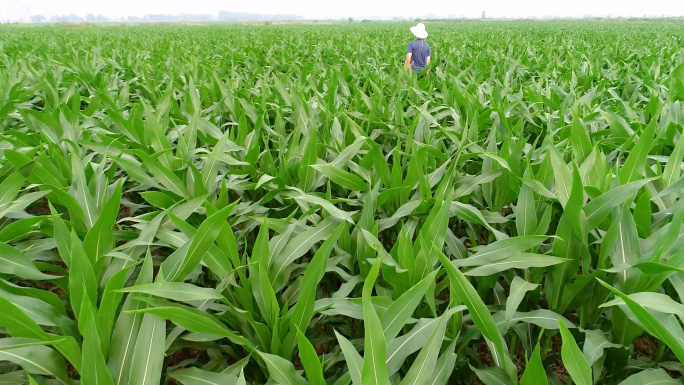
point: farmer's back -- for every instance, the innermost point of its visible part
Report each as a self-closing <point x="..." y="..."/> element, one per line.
<point x="420" y="50"/>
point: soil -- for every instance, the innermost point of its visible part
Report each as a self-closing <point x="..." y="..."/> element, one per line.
<point x="645" y="346"/>
<point x="484" y="353"/>
<point x="557" y="366"/>
<point x="71" y="371"/>
<point x="187" y="354"/>
<point x="39" y="208"/>
<point x="124" y="212"/>
<point x="559" y="370"/>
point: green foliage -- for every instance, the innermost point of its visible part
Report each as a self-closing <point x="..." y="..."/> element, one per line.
<point x="286" y="205"/>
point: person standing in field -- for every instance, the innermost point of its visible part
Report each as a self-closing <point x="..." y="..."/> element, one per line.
<point x="418" y="51"/>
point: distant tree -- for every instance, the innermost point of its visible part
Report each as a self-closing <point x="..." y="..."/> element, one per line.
<point x="59" y="19"/>
<point x="75" y="18"/>
<point x="134" y="19"/>
<point x="351" y="20"/>
<point x="38" y="19"/>
<point x="91" y="18"/>
<point x="483" y="14"/>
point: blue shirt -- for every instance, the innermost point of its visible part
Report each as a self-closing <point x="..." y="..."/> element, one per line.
<point x="420" y="50"/>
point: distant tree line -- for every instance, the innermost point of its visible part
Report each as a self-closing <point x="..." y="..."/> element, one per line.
<point x="221" y="16"/>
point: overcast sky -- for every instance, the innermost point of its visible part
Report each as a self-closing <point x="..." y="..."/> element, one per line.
<point x="357" y="8"/>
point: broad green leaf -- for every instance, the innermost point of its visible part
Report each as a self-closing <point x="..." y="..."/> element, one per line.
<point x="501" y="249"/>
<point x="205" y="237"/>
<point x="94" y="369"/>
<point x="196" y="321"/>
<point x="196" y="376"/>
<point x="633" y="168"/>
<point x="19" y="325"/>
<point x="673" y="167"/>
<point x="82" y="280"/>
<point x="310" y="361"/>
<point x="424" y="365"/>
<point x="534" y="370"/>
<point x="396" y="316"/>
<point x="303" y="310"/>
<point x="15" y="263"/>
<point x="352" y="357"/>
<point x="480" y="314"/>
<point x="148" y="356"/>
<point x="36" y="360"/>
<point x="517" y="261"/>
<point x="599" y="208"/>
<point x="100" y="238"/>
<point x="374" y="370"/>
<point x="575" y="363"/>
<point x="650" y="377"/>
<point x="516" y="294"/>
<point x="343" y="178"/>
<point x="563" y="179"/>
<point x="177" y="291"/>
<point x="444" y="367"/>
<point x="282" y="371"/>
<point x="581" y="144"/>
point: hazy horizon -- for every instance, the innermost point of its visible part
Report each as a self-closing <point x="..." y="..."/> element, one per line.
<point x="384" y="9"/>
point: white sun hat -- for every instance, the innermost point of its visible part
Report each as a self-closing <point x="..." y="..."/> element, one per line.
<point x="419" y="31"/>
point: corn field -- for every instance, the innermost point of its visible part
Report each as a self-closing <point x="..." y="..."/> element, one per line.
<point x="286" y="204"/>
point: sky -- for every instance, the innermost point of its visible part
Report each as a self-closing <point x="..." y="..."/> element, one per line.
<point x="313" y="9"/>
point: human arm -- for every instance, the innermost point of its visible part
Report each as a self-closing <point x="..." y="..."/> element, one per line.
<point x="407" y="62"/>
<point x="427" y="61"/>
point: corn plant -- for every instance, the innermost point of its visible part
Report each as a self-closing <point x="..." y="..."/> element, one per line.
<point x="286" y="205"/>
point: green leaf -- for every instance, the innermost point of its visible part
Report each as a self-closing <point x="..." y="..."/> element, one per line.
<point x="352" y="357"/>
<point x="374" y="366"/>
<point x="342" y="178"/>
<point x="480" y="314"/>
<point x="303" y="310"/>
<point x="581" y="144"/>
<point x="594" y="344"/>
<point x="425" y="363"/>
<point x="148" y="356"/>
<point x="633" y="168"/>
<point x="501" y="249"/>
<point x="562" y="176"/>
<point x="196" y="376"/>
<point x="534" y="370"/>
<point x="205" y="237"/>
<point x="445" y="366"/>
<point x="297" y="247"/>
<point x="19" y="325"/>
<point x="15" y="263"/>
<point x="650" y="377"/>
<point x="19" y="229"/>
<point x="100" y="238"/>
<point x="36" y="360"/>
<point x="309" y="357"/>
<point x="517" y="261"/>
<point x="516" y="294"/>
<point x="282" y="371"/>
<point x="109" y="305"/>
<point x="162" y="174"/>
<point x="493" y="376"/>
<point x="599" y="208"/>
<point x="126" y="330"/>
<point x="177" y="291"/>
<point x="94" y="366"/>
<point x="525" y="210"/>
<point x="396" y="316"/>
<point x="196" y="321"/>
<point x="574" y="361"/>
<point x="307" y="174"/>
<point x="673" y="167"/>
